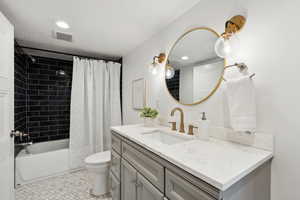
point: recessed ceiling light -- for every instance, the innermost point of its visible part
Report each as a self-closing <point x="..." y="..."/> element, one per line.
<point x="184" y="58"/>
<point x="62" y="24"/>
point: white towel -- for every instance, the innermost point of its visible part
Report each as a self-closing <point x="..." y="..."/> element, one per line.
<point x="242" y="106"/>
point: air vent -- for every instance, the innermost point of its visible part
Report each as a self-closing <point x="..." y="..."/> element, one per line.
<point x="63" y="36"/>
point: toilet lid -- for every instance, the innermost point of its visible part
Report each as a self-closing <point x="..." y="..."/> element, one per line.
<point x="98" y="158"/>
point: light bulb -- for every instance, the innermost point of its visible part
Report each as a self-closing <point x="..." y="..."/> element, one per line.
<point x="227" y="47"/>
<point x="170" y="72"/>
<point x="153" y="68"/>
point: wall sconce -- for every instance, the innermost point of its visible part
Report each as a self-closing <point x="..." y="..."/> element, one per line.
<point x="228" y="43"/>
<point x="153" y="67"/>
<point x="170" y="71"/>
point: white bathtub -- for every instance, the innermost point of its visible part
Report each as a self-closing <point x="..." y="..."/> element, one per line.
<point x="42" y="160"/>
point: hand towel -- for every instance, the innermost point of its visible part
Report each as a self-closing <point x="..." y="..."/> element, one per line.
<point x="240" y="94"/>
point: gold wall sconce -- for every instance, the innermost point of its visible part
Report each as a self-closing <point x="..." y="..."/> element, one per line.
<point x="228" y="42"/>
<point x="157" y="60"/>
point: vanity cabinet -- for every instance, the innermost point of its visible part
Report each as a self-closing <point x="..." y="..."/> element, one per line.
<point x="128" y="181"/>
<point x="116" y="143"/>
<point x="115" y="164"/>
<point x="115" y="168"/>
<point x="144" y="175"/>
<point x="115" y="187"/>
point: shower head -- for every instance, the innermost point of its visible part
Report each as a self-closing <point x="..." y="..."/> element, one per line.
<point x="33" y="60"/>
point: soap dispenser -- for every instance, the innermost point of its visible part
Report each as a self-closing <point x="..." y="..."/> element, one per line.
<point x="203" y="127"/>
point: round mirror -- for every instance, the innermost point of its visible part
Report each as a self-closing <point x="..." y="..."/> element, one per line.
<point x="194" y="71"/>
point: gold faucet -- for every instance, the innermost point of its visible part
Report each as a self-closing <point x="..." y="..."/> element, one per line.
<point x="181" y="126"/>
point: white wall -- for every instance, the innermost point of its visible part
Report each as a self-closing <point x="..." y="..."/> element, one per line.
<point x="186" y="85"/>
<point x="205" y="79"/>
<point x="270" y="47"/>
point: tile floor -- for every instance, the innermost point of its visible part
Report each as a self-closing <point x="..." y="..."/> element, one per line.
<point x="71" y="186"/>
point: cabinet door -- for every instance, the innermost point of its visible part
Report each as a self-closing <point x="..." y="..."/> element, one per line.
<point x="179" y="189"/>
<point x="146" y="191"/>
<point x="128" y="181"/>
<point x="115" y="187"/>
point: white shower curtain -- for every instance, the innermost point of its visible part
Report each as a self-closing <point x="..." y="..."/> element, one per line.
<point x="93" y="110"/>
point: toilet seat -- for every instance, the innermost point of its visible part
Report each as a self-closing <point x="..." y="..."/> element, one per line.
<point x="98" y="158"/>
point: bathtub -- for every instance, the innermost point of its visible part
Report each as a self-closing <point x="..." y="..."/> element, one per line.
<point x="42" y="160"/>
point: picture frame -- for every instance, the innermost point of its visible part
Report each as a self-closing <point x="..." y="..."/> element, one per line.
<point x="138" y="94"/>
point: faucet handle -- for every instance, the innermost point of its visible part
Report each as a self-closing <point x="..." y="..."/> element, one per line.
<point x="191" y="129"/>
<point x="173" y="126"/>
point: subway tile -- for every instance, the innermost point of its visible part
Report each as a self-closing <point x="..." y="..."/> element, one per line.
<point x="33" y="103"/>
<point x="32" y="81"/>
<point x="42" y="99"/>
<point x="48" y="123"/>
<point x="33" y="70"/>
<point x="42" y="61"/>
<point x="39" y="119"/>
<point x="38" y="77"/>
<point x="32" y="113"/>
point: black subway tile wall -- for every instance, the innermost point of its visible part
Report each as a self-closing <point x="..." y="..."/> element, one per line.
<point x="42" y="97"/>
<point x="48" y="99"/>
<point x="173" y="85"/>
<point x="21" y="64"/>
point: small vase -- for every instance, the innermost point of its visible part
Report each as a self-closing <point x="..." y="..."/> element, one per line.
<point x="148" y="122"/>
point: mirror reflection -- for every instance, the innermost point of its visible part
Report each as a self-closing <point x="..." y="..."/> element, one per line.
<point x="193" y="70"/>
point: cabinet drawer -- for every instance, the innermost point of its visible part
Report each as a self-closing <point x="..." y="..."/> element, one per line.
<point x="115" y="143"/>
<point x="115" y="188"/>
<point x="153" y="171"/>
<point x="115" y="164"/>
<point x="178" y="188"/>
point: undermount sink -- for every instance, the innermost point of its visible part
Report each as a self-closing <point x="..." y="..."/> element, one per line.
<point x="165" y="138"/>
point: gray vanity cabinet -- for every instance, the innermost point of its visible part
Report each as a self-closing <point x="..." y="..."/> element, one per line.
<point x="115" y="187"/>
<point x="128" y="181"/>
<point x="146" y="176"/>
<point x="115" y="164"/>
<point x="116" y="143"/>
<point x="146" y="191"/>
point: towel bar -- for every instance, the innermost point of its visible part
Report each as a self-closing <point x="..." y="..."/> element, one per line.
<point x="241" y="66"/>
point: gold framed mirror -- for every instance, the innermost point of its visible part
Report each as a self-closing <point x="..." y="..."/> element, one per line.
<point x="193" y="71"/>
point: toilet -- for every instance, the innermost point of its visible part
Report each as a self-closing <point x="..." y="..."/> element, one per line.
<point x="98" y="168"/>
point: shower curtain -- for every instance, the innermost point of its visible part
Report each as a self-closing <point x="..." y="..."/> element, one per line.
<point x="95" y="106"/>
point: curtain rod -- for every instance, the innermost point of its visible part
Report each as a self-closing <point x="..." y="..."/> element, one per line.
<point x="69" y="54"/>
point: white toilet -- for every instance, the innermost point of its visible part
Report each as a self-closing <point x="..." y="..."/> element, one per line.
<point x="98" y="169"/>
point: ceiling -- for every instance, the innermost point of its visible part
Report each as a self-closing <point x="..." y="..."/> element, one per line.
<point x="108" y="28"/>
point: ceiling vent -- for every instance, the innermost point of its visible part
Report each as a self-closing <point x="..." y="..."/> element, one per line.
<point x="63" y="36"/>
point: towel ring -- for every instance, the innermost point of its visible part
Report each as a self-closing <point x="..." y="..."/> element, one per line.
<point x="241" y="66"/>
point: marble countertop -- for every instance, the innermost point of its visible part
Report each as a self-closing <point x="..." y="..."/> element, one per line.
<point x="218" y="162"/>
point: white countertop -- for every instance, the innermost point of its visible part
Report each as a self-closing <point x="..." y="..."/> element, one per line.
<point x="218" y="162"/>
